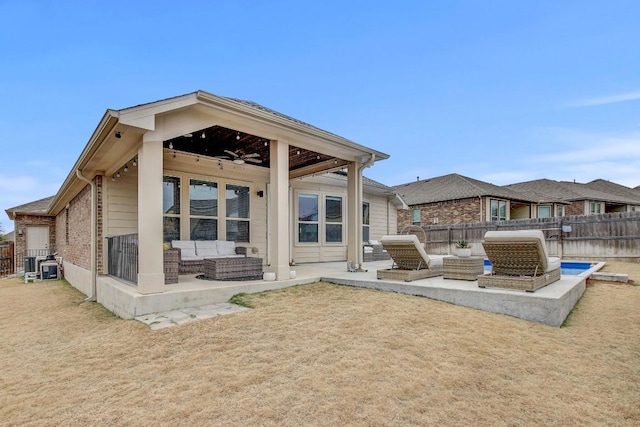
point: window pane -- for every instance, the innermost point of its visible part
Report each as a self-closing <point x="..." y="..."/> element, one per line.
<point x="544" y="211"/>
<point x="333" y="209"/>
<point x="237" y="201"/>
<point x="308" y="233"/>
<point x="494" y="210"/>
<point x="307" y="207"/>
<point x="560" y="210"/>
<point x="171" y="229"/>
<point x="503" y="211"/>
<point x="238" y="231"/>
<point x="204" y="229"/>
<point x="171" y="195"/>
<point x="333" y="233"/>
<point x="415" y="216"/>
<point x="365" y="214"/>
<point x="203" y="198"/>
<point x="365" y="233"/>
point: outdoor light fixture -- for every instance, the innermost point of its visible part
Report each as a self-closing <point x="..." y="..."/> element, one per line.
<point x="135" y="163"/>
<point x="126" y="168"/>
<point x="113" y="177"/>
<point x="170" y="145"/>
<point x="237" y="136"/>
<point x="260" y="193"/>
<point x="118" y="134"/>
<point x="118" y="174"/>
<point x="203" y="136"/>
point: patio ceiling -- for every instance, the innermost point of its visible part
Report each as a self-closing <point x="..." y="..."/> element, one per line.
<point x="230" y="144"/>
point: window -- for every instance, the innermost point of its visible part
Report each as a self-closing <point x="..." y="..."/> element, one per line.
<point x="595" y="208"/>
<point x="171" y="208"/>
<point x="498" y="210"/>
<point x="544" y="211"/>
<point x="238" y="215"/>
<point x="308" y="218"/>
<point x="333" y="219"/>
<point x="415" y="217"/>
<point x="365" y="221"/>
<point x="203" y="209"/>
<point x="560" y="210"/>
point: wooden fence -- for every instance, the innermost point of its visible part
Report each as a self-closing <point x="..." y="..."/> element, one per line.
<point x="7" y="259"/>
<point x="613" y="236"/>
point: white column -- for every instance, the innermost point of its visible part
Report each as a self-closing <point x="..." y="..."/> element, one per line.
<point x="279" y="200"/>
<point x="354" y="213"/>
<point x="150" y="229"/>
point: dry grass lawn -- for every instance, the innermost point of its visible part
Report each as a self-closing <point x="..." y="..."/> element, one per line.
<point x="319" y="355"/>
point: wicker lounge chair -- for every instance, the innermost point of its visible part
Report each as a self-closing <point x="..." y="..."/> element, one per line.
<point x="519" y="260"/>
<point x="411" y="262"/>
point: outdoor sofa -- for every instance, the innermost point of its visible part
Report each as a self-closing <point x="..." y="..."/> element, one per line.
<point x="192" y="253"/>
<point x="519" y="260"/>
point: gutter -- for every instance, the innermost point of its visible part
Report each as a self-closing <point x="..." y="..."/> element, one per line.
<point x="94" y="236"/>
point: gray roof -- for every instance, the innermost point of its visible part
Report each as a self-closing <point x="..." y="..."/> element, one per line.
<point x="547" y="190"/>
<point x="39" y="207"/>
<point x="616" y="189"/>
<point x="453" y="187"/>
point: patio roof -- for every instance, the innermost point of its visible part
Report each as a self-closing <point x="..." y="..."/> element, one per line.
<point x="204" y="124"/>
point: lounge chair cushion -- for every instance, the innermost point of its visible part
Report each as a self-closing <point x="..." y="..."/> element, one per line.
<point x="537" y="236"/>
<point x="409" y="240"/>
<point x="207" y="248"/>
<point x="187" y="248"/>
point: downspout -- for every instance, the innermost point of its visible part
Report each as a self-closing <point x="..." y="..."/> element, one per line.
<point x="94" y="234"/>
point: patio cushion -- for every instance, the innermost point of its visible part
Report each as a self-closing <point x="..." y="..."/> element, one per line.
<point x="207" y="248"/>
<point x="187" y="248"/>
<point x="226" y="247"/>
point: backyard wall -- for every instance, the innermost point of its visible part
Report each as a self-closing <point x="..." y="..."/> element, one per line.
<point x="20" y="224"/>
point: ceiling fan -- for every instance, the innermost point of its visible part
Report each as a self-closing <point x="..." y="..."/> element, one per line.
<point x="240" y="157"/>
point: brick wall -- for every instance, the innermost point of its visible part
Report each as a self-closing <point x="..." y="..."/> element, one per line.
<point x="74" y="229"/>
<point x="575" y="208"/>
<point x="449" y="212"/>
<point x="22" y="222"/>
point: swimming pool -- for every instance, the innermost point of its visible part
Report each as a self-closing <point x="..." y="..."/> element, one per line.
<point x="568" y="268"/>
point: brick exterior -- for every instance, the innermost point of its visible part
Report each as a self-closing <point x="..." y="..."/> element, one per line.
<point x="448" y="212"/>
<point x="575" y="208"/>
<point x="74" y="229"/>
<point x="22" y="222"/>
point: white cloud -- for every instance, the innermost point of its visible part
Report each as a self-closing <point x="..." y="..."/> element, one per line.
<point x="604" y="100"/>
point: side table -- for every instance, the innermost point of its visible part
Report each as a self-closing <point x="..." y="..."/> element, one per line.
<point x="463" y="268"/>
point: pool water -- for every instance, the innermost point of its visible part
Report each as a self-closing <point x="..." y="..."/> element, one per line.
<point x="568" y="268"/>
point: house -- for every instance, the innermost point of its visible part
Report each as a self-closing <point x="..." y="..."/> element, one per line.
<point x="455" y="199"/>
<point x="596" y="197"/>
<point x="34" y="229"/>
<point x="205" y="167"/>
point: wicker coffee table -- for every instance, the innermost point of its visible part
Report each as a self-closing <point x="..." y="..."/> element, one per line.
<point x="242" y="268"/>
<point x="463" y="268"/>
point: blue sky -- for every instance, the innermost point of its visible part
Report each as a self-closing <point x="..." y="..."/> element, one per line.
<point x="501" y="91"/>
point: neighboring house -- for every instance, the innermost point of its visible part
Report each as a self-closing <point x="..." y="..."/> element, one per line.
<point x="34" y="229"/>
<point x="455" y="199"/>
<point x="596" y="197"/>
<point x="201" y="166"/>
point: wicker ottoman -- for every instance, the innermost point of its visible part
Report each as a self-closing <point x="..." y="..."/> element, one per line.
<point x="244" y="268"/>
<point x="171" y="263"/>
<point x="463" y="268"/>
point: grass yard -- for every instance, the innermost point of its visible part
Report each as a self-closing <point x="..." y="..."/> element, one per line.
<point x="319" y="355"/>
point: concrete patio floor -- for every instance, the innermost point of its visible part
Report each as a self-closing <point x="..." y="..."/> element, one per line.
<point x="549" y="305"/>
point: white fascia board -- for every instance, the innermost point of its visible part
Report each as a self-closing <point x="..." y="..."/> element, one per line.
<point x="144" y="116"/>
